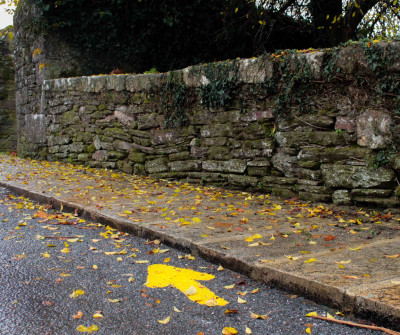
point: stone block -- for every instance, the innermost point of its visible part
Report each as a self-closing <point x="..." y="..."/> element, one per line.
<point x="145" y="82"/>
<point x="323" y="138"/>
<point x="286" y="164"/>
<point x="179" y="156"/>
<point x="217" y="130"/>
<point x="35" y="128"/>
<point x="310" y="174"/>
<point x="252" y="116"/>
<point x="374" y="129"/>
<point x="242" y="181"/>
<point x="257" y="171"/>
<point x="179" y="166"/>
<point x="115" y="82"/>
<point x="267" y="180"/>
<point x="157" y="165"/>
<point x="315" y="197"/>
<point x="345" y="123"/>
<point x="255" y="70"/>
<point x="148" y="121"/>
<point x="219" y="153"/>
<point x="230" y="166"/>
<point x="341" y="197"/>
<point x="346" y="176"/>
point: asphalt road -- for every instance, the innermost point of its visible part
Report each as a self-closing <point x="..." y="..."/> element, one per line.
<point x="45" y="259"/>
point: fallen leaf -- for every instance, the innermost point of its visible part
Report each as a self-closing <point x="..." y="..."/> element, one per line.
<point x="392" y="256"/>
<point x="248" y="330"/>
<point x="83" y="329"/>
<point x="311" y="260"/>
<point x="312" y="314"/>
<point x="229" y="287"/>
<point x="76" y="293"/>
<point x="98" y="315"/>
<point x="232" y="311"/>
<point x="165" y="321"/>
<point x="78" y="315"/>
<point x="241" y="301"/>
<point x="229" y="331"/>
<point x="113" y="300"/>
<point x="258" y="316"/>
<point x="177" y="310"/>
<point x="220" y="268"/>
<point x="191" y="290"/>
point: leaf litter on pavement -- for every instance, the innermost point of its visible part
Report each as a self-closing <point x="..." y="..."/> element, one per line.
<point x="259" y="218"/>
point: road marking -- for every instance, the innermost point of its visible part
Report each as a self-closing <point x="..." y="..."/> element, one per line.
<point x="186" y="281"/>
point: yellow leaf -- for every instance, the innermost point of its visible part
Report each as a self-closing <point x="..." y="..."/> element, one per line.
<point x="392" y="256"/>
<point x="114" y="300"/>
<point x="131" y="279"/>
<point x="311" y="260"/>
<point x="248" y="330"/>
<point x="65" y="250"/>
<point x="83" y="329"/>
<point x="241" y="301"/>
<point x="76" y="293"/>
<point x="329" y="316"/>
<point x="256" y="244"/>
<point x="395" y="282"/>
<point x="229" y="331"/>
<point x="267" y="260"/>
<point x="236" y="9"/>
<point x="165" y="321"/>
<point x="356" y="248"/>
<point x="254" y="291"/>
<point x="220" y="268"/>
<point x="141" y="262"/>
<point x="177" y="310"/>
<point x="344" y="262"/>
<point x="95" y="266"/>
<point x="308" y="330"/>
<point x="229" y="286"/>
<point x="191" y="290"/>
<point x="167" y="260"/>
<point x="211" y="302"/>
<point x="258" y="316"/>
<point x="312" y="314"/>
<point x="98" y="315"/>
<point x="196" y="220"/>
<point x="73" y="240"/>
<point x="45" y="254"/>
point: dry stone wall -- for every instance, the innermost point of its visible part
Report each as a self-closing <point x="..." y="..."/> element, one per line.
<point x="321" y="126"/>
<point x="8" y="125"/>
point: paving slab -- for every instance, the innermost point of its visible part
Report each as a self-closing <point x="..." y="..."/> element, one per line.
<point x="345" y="257"/>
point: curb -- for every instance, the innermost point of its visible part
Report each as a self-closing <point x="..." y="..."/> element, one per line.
<point x="334" y="297"/>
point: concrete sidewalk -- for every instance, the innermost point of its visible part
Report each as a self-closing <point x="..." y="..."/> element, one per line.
<point x="347" y="258"/>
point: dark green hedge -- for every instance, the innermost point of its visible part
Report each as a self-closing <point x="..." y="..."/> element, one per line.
<point x="137" y="35"/>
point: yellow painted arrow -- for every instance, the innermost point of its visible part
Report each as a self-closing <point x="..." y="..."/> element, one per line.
<point x="160" y="275"/>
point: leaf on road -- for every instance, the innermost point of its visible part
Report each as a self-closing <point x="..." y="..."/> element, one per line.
<point x="177" y="310"/>
<point x="165" y="321"/>
<point x="258" y="316"/>
<point x="311" y="260"/>
<point x="248" y="330"/>
<point x="76" y="293"/>
<point x="78" y="315"/>
<point x="229" y="331"/>
<point x="83" y="329"/>
<point x="241" y="301"/>
<point x="98" y="315"/>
